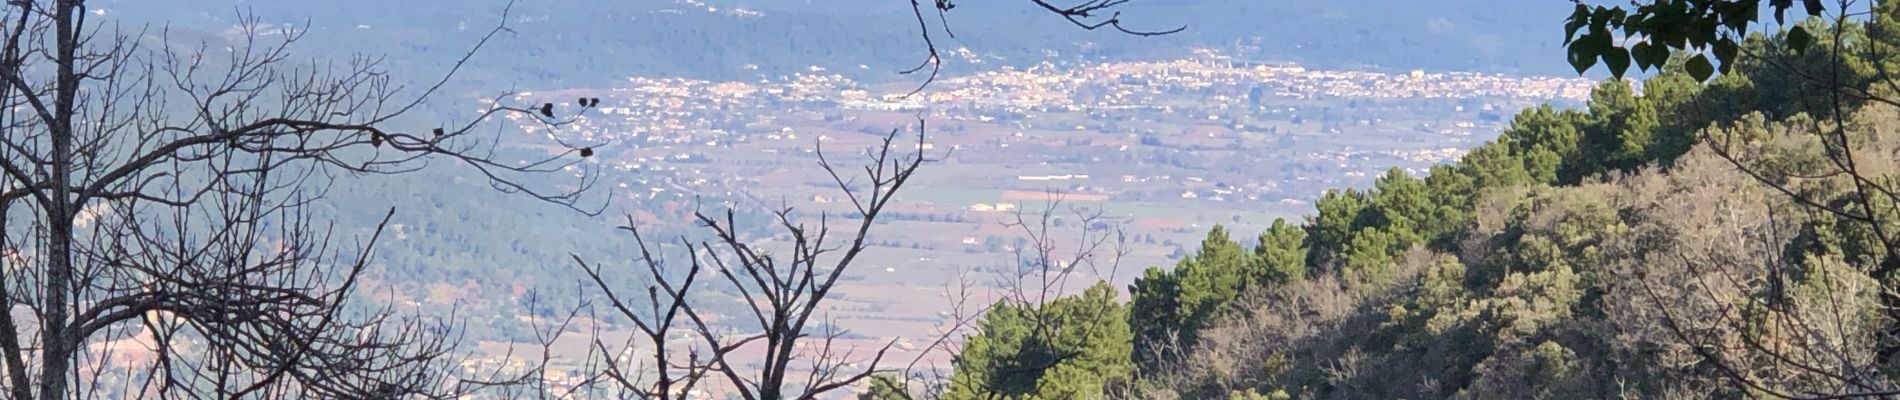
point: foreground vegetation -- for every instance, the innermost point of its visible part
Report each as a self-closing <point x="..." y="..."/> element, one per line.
<point x="1723" y="239"/>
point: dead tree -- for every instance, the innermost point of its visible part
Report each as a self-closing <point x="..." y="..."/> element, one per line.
<point x="1065" y="245"/>
<point x="1053" y="258"/>
<point x="783" y="286"/>
<point x="1040" y="272"/>
<point x="154" y="201"/>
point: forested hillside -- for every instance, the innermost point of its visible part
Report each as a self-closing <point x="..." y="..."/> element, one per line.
<point x="1682" y="240"/>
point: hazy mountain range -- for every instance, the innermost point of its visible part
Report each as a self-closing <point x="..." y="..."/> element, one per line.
<point x="577" y="42"/>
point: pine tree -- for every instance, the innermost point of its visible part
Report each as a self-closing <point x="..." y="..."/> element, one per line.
<point x="1281" y="257"/>
<point x="1070" y="348"/>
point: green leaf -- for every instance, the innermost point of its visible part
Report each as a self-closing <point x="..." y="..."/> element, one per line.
<point x="1725" y="50"/>
<point x="1581" y="60"/>
<point x="1749" y="15"/>
<point x="1576" y="21"/>
<point x="1799" y="39"/>
<point x="1781" y="8"/>
<point x="1735" y="16"/>
<point x="1658" y="55"/>
<point x="1699" y="68"/>
<point x="1618" y="60"/>
<point x="1644" y="57"/>
<point x="1702" y="31"/>
<point x="1586" y="49"/>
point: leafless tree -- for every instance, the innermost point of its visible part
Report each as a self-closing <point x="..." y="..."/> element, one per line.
<point x="1064" y="244"/>
<point x="1052" y="258"/>
<point x="154" y="200"/>
<point x="784" y="294"/>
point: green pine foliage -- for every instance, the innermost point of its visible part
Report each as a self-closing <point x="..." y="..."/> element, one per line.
<point x="1069" y="348"/>
<point x="1280" y="258"/>
<point x="1541" y="265"/>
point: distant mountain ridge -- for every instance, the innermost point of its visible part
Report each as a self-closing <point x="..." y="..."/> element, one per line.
<point x="744" y="39"/>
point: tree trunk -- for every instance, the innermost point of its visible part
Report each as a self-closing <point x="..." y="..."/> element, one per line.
<point x="58" y="348"/>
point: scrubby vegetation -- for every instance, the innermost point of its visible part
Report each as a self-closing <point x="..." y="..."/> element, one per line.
<point x="1686" y="239"/>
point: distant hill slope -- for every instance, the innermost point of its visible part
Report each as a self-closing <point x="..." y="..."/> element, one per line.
<point x="583" y="42"/>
